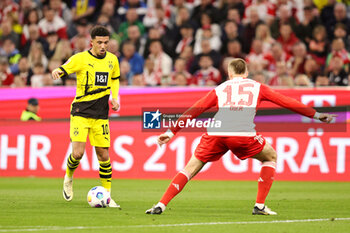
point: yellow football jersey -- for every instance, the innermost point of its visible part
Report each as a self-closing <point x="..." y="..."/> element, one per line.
<point x="94" y="78"/>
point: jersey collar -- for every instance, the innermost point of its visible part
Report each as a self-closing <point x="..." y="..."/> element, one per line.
<point x="96" y="56"/>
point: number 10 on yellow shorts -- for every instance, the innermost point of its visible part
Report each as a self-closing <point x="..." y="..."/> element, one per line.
<point x="97" y="129"/>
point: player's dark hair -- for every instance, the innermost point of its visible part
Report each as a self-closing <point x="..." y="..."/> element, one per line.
<point x="99" y="31"/>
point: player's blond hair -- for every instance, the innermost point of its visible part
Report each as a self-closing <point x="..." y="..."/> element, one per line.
<point x="237" y="66"/>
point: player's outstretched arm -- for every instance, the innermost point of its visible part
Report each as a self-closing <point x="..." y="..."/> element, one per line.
<point x="325" y="117"/>
<point x="57" y="73"/>
<point x="294" y="105"/>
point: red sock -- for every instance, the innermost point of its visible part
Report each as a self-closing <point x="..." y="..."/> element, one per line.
<point x="267" y="174"/>
<point x="176" y="185"/>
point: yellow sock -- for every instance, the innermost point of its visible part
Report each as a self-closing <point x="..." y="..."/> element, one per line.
<point x="72" y="164"/>
<point x="106" y="174"/>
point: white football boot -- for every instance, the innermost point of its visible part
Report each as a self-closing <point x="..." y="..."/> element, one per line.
<point x="68" y="188"/>
<point x="264" y="211"/>
<point x="113" y="204"/>
<point x="157" y="209"/>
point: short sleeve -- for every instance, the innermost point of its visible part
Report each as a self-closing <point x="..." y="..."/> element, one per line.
<point x="72" y="65"/>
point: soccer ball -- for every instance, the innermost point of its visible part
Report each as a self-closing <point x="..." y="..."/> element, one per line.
<point x="98" y="197"/>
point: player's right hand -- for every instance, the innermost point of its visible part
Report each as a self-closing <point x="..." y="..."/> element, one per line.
<point x="326" y="117"/>
<point x="163" y="138"/>
<point x="56" y="73"/>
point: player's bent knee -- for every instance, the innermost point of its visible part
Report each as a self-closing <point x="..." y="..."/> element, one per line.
<point x="273" y="156"/>
<point x="77" y="154"/>
<point x="270" y="154"/>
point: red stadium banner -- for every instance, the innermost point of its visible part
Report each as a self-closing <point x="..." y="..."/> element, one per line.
<point x="40" y="149"/>
<point x="55" y="101"/>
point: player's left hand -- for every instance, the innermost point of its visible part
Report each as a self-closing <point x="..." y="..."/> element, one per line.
<point x="326" y="117"/>
<point x="115" y="105"/>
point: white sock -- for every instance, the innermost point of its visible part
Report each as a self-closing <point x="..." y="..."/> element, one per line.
<point x="161" y="205"/>
<point x="259" y="205"/>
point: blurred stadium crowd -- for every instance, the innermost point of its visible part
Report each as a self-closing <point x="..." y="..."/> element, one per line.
<point x="178" y="42"/>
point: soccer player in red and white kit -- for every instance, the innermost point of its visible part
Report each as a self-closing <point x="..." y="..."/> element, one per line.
<point x="236" y="101"/>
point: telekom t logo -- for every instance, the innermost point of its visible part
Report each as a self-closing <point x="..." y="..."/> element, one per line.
<point x="318" y="101"/>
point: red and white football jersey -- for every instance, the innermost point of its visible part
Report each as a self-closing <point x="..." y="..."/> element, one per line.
<point x="235" y="102"/>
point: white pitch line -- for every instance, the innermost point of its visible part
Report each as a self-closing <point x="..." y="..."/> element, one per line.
<point x="61" y="228"/>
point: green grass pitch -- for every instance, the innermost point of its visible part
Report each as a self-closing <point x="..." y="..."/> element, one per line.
<point x="37" y="205"/>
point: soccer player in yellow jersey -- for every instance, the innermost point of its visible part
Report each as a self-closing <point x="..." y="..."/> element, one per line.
<point x="97" y="74"/>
